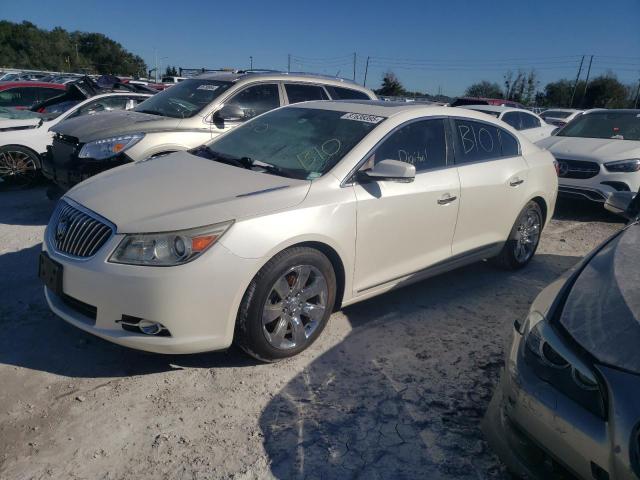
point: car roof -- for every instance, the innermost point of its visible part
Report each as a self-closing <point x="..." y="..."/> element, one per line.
<point x="7" y="85"/>
<point x="571" y="110"/>
<point x="495" y="108"/>
<point x="235" y="76"/>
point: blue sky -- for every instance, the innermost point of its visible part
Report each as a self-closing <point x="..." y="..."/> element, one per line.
<point x="430" y="45"/>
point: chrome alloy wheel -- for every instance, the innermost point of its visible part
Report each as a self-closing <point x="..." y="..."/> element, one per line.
<point x="527" y="235"/>
<point x="295" y="307"/>
<point x="16" y="164"/>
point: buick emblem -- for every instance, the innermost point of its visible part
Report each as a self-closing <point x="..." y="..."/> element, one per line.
<point x="61" y="229"/>
<point x="564" y="168"/>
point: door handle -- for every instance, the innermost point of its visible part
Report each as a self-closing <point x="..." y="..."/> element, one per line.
<point x="446" y="199"/>
<point x="515" y="182"/>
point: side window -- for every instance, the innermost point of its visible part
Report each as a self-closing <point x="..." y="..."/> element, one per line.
<point x="257" y="99"/>
<point x="476" y="142"/>
<point x="513" y="119"/>
<point x="20" y="96"/>
<point x="529" y="121"/>
<point x="339" y="93"/>
<point x="303" y="93"/>
<point x="422" y="144"/>
<point x="47" y="93"/>
<point x="101" y="105"/>
<point x="510" y="147"/>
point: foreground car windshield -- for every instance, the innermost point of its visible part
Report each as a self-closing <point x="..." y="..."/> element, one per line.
<point x="300" y="142"/>
<point x="184" y="99"/>
<point x="609" y="124"/>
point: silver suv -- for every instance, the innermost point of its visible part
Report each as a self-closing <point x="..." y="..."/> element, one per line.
<point x="183" y="116"/>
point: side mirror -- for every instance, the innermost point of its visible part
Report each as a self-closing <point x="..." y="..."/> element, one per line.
<point x="230" y="113"/>
<point x="393" y="170"/>
<point x="623" y="204"/>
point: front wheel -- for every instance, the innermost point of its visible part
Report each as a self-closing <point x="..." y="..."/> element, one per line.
<point x="18" y="164"/>
<point x="523" y="240"/>
<point x="287" y="305"/>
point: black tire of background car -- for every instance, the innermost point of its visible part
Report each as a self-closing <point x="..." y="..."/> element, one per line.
<point x="19" y="165"/>
<point x="506" y="259"/>
<point x="248" y="333"/>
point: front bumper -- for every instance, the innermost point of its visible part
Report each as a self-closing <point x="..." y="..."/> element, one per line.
<point x="196" y="302"/>
<point x="599" y="187"/>
<point x="61" y="164"/>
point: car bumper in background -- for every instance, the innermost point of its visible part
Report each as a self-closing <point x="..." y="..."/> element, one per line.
<point x="197" y="302"/>
<point x="599" y="187"/>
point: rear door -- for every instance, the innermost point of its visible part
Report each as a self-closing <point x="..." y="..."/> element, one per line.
<point x="491" y="172"/>
<point x="403" y="228"/>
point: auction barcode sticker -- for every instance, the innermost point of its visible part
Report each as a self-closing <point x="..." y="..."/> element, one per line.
<point x="362" y="117"/>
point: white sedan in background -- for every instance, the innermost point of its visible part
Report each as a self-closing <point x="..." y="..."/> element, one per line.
<point x="527" y="123"/>
<point x="259" y="235"/>
<point x="25" y="135"/>
<point x="560" y="116"/>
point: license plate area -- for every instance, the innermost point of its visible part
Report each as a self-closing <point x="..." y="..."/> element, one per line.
<point x="50" y="272"/>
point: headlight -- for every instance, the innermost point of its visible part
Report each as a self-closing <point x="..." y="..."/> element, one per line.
<point x="623" y="166"/>
<point x="555" y="363"/>
<point x="169" y="248"/>
<point x="109" y="147"/>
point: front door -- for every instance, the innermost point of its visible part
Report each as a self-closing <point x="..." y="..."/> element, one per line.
<point x="403" y="228"/>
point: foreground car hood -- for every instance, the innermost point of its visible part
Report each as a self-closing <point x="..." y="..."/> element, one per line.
<point x="181" y="191"/>
<point x="594" y="149"/>
<point x="107" y="124"/>
<point x="602" y="311"/>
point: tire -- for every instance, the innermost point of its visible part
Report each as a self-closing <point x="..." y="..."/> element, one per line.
<point x="278" y="316"/>
<point x="19" y="165"/>
<point x="523" y="240"/>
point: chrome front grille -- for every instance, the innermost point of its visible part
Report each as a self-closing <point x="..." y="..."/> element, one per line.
<point x="77" y="232"/>
<point x="577" y="168"/>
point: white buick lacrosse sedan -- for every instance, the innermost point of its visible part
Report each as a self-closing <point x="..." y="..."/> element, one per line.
<point x="259" y="235"/>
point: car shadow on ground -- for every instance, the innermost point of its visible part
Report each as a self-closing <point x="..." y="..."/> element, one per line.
<point x="584" y="211"/>
<point x="404" y="394"/>
<point x="33" y="337"/>
<point x="25" y="205"/>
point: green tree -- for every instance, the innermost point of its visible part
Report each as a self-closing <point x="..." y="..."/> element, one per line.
<point x="391" y="86"/>
<point x="171" y="71"/>
<point x="605" y="91"/>
<point x="24" y="45"/>
<point x="521" y="88"/>
<point x="484" y="89"/>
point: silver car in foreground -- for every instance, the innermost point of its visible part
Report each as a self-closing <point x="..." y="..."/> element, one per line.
<point x="570" y="390"/>
<point x="259" y="235"/>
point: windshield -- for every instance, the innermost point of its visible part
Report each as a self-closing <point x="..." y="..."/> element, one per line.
<point x="555" y="114"/>
<point x="185" y="99"/>
<point x="619" y="125"/>
<point x="298" y="142"/>
<point x="17" y="114"/>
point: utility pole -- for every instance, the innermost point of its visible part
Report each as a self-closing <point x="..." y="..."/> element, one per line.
<point x="250" y="62"/>
<point x="586" y="82"/>
<point x="575" y="85"/>
<point x="354" y="66"/>
<point x="366" y="70"/>
<point x="155" y="54"/>
<point x="637" y="95"/>
<point x="288" y="63"/>
<point x="77" y="56"/>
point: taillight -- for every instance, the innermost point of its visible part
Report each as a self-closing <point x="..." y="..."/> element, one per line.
<point x="557" y="165"/>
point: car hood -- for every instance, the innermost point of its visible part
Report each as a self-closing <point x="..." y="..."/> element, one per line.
<point x="594" y="149"/>
<point x="602" y="311"/>
<point x="107" y="124"/>
<point x="181" y="190"/>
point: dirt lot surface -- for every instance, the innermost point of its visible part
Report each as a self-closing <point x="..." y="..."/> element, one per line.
<point x="395" y="387"/>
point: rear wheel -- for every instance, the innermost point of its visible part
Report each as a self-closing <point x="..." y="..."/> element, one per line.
<point x="287" y="305"/>
<point x="523" y="240"/>
<point x="18" y="164"/>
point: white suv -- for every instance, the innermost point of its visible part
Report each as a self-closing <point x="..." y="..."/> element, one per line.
<point x="262" y="233"/>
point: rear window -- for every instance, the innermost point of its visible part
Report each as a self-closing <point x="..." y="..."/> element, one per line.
<point x="339" y="93"/>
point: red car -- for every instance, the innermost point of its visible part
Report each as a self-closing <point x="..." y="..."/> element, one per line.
<point x="500" y="102"/>
<point x="26" y="94"/>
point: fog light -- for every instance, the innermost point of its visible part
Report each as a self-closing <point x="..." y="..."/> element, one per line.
<point x="150" y="328"/>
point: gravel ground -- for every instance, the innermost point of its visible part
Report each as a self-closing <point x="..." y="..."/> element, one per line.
<point x="395" y="387"/>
